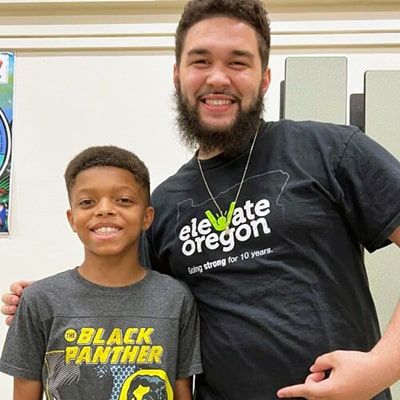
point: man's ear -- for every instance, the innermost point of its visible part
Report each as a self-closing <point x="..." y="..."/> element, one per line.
<point x="176" y="76"/>
<point x="71" y="220"/>
<point x="266" y="80"/>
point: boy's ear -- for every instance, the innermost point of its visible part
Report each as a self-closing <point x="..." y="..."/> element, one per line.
<point x="71" y="221"/>
<point x="148" y="218"/>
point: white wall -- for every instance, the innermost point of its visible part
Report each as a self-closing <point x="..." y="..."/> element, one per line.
<point x="108" y="91"/>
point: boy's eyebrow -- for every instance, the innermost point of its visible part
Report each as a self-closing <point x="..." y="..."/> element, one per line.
<point x="116" y="187"/>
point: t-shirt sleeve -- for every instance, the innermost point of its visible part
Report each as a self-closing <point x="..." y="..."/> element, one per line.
<point x="369" y="177"/>
<point x="23" y="351"/>
<point x="189" y="358"/>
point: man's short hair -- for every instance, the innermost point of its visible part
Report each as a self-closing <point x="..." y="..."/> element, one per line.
<point x="252" y="12"/>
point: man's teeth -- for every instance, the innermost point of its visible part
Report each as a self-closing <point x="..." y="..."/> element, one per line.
<point x="218" y="102"/>
<point x="106" y="230"/>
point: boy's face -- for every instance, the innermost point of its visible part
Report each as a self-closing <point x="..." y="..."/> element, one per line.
<point x="109" y="209"/>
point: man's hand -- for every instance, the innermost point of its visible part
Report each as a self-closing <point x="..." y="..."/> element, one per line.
<point x="353" y="375"/>
<point x="11" y="299"/>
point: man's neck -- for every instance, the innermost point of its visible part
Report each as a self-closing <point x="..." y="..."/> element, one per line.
<point x="205" y="155"/>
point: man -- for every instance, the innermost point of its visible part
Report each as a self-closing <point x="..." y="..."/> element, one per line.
<point x="267" y="223"/>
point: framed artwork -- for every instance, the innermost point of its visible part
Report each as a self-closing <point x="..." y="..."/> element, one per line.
<point x="6" y="117"/>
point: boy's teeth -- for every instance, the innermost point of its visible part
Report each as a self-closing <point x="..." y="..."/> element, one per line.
<point x="106" y="229"/>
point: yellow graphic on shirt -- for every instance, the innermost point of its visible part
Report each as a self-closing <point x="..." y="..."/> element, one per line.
<point x="147" y="384"/>
<point x="92" y="357"/>
<point x="129" y="346"/>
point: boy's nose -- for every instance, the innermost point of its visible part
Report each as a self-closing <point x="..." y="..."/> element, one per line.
<point x="105" y="208"/>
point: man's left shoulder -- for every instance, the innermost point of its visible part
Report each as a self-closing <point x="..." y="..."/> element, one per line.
<point x="320" y="128"/>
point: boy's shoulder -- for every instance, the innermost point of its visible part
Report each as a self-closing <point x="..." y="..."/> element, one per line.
<point x="167" y="283"/>
<point x="53" y="282"/>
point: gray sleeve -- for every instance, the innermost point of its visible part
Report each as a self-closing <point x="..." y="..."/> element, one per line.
<point x="24" y="349"/>
<point x="189" y="357"/>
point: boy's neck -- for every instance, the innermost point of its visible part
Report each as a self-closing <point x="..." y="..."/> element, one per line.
<point x="111" y="272"/>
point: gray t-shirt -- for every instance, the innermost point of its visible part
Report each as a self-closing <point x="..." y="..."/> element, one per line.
<point x="86" y="341"/>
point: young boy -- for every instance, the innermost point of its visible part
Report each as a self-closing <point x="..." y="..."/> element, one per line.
<point x="108" y="329"/>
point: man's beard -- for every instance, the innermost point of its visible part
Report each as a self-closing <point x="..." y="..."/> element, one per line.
<point x="231" y="141"/>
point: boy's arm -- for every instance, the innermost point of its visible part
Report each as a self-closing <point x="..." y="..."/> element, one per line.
<point x="25" y="389"/>
<point x="183" y="389"/>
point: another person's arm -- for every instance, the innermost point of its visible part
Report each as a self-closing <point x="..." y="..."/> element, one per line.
<point x="25" y="389"/>
<point x="11" y="299"/>
<point x="183" y="389"/>
<point x="354" y="374"/>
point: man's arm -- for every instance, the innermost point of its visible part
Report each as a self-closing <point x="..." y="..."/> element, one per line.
<point x="25" y="389"/>
<point x="395" y="236"/>
<point x="354" y="374"/>
<point x="183" y="389"/>
<point x="11" y="299"/>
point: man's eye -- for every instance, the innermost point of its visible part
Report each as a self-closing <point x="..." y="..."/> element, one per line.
<point x="200" y="62"/>
<point x="239" y="63"/>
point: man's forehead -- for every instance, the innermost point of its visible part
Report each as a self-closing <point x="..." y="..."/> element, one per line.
<point x="220" y="32"/>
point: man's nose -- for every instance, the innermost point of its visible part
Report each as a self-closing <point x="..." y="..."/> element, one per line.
<point x="218" y="77"/>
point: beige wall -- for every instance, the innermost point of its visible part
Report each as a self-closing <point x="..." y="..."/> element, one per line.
<point x="101" y="73"/>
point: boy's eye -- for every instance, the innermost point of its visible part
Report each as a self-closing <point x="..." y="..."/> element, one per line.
<point x="125" y="200"/>
<point x="85" y="202"/>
